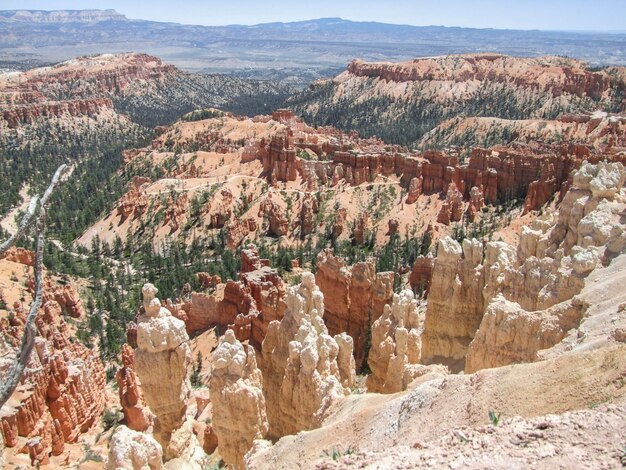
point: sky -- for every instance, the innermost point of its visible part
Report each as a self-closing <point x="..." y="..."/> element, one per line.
<point x="571" y="15"/>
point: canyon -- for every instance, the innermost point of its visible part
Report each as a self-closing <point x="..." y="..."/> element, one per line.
<point x="266" y="292"/>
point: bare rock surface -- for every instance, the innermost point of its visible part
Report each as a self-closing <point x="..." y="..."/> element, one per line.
<point x="132" y="450"/>
<point x="301" y="376"/>
<point x="239" y="415"/>
<point x="162" y="359"/>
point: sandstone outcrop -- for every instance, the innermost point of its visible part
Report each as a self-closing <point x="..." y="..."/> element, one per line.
<point x="476" y="202"/>
<point x="247" y="305"/>
<point x="421" y="274"/>
<point x="279" y="161"/>
<point x="355" y="297"/>
<point x="307" y="214"/>
<point x="544" y="73"/>
<point x="301" y="375"/>
<point x="494" y="305"/>
<point x="236" y="386"/>
<point x="361" y="227"/>
<point x="136" y="415"/>
<point x="452" y="208"/>
<point x="395" y="351"/>
<point x="277" y="222"/>
<point x="132" y="450"/>
<point x="61" y="393"/>
<point x="162" y="359"/>
<point x="415" y="190"/>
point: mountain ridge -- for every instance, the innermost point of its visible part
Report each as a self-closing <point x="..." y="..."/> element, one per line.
<point x="300" y="51"/>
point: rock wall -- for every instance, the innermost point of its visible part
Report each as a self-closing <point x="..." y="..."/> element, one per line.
<point x="236" y="386"/>
<point x="553" y="260"/>
<point x="494" y="305"/>
<point x="132" y="450"/>
<point x="247" y="306"/>
<point x="455" y="303"/>
<point x="61" y="393"/>
<point x="136" y="415"/>
<point x="546" y="74"/>
<point x="301" y="374"/>
<point x="162" y="360"/>
<point x="395" y="352"/>
<point x="355" y="297"/>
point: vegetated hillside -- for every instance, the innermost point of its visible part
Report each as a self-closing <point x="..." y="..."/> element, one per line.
<point x="89" y="105"/>
<point x="403" y="101"/>
<point x="597" y="129"/>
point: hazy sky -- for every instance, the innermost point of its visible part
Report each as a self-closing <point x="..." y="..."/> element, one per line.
<point x="595" y="15"/>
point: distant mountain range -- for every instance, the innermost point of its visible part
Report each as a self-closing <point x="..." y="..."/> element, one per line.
<point x="297" y="51"/>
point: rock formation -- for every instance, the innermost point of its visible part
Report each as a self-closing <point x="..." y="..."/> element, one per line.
<point x="395" y="351"/>
<point x="277" y="223"/>
<point x="162" y="359"/>
<point x="247" y="305"/>
<point x="476" y="202"/>
<point x="494" y="305"/>
<point x="136" y="415"/>
<point x="132" y="450"/>
<point x="236" y="386"/>
<point x="355" y="297"/>
<point x="452" y="208"/>
<point x="301" y="375"/>
<point x="421" y="274"/>
<point x="307" y="214"/>
<point x="361" y="227"/>
<point x="61" y="393"/>
<point x="455" y="302"/>
<point x="415" y="190"/>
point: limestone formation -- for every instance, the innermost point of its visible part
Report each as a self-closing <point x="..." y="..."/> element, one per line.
<point x="307" y="215"/>
<point x="301" y="374"/>
<point x="455" y="302"/>
<point x="61" y="393"/>
<point x="476" y="202"/>
<point x="395" y="351"/>
<point x="494" y="305"/>
<point x="236" y="386"/>
<point x="452" y="208"/>
<point x="421" y="274"/>
<point x="136" y="415"/>
<point x="277" y="223"/>
<point x="132" y="450"/>
<point x="361" y="227"/>
<point x="415" y="190"/>
<point x="355" y="297"/>
<point x="162" y="359"/>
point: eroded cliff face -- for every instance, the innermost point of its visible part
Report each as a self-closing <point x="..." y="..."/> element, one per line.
<point x="162" y="359"/>
<point x="136" y="415"/>
<point x="132" y="450"/>
<point x="239" y="412"/>
<point x="355" y="297"/>
<point x="396" y="343"/>
<point x="554" y="75"/>
<point x="492" y="305"/>
<point x="247" y="305"/>
<point x="61" y="393"/>
<point x="301" y="374"/>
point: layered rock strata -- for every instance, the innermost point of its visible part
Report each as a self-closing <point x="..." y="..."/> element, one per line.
<point x="492" y="304"/>
<point x="301" y="374"/>
<point x="355" y="297"/>
<point x="236" y="386"/>
<point x="61" y="393"/>
<point x="395" y="352"/>
<point x="162" y="359"/>
<point x="136" y="415"/>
